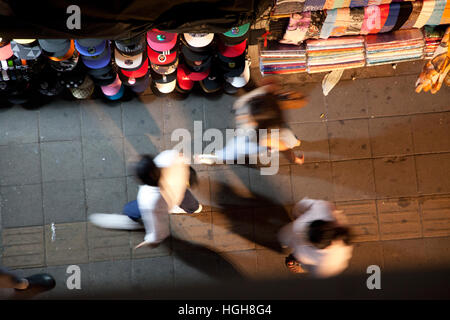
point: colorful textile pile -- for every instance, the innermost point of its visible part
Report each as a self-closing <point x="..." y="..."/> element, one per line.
<point x="380" y="18"/>
<point x="433" y="36"/>
<point x="278" y="58"/>
<point x="336" y="53"/>
<point x="398" y="46"/>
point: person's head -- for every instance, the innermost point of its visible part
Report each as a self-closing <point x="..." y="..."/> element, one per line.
<point x="265" y="108"/>
<point x="147" y="171"/>
<point x="322" y="233"/>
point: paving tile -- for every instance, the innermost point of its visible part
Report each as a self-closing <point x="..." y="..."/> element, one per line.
<point x="132" y="189"/>
<point x="230" y="187"/>
<point x="313" y="110"/>
<point x="399" y="219"/>
<point x="60" y="120"/>
<point x="182" y="114"/>
<point x="106" y="244"/>
<point x="135" y="146"/>
<point x="23" y="247"/>
<point x="386" y="96"/>
<point x="435" y="216"/>
<point x="200" y="267"/>
<point x="21" y="206"/>
<point x="267" y="222"/>
<point x="433" y="173"/>
<point x="349" y="139"/>
<point x="395" y="177"/>
<point x="277" y="187"/>
<point x="61" y="161"/>
<point x="196" y="228"/>
<point x="103" y="158"/>
<point x="312" y="180"/>
<point x="243" y="262"/>
<point x="143" y="116"/>
<point x="364" y="255"/>
<point x="347" y="101"/>
<point x="270" y="265"/>
<point x="438" y="251"/>
<point x="187" y="145"/>
<point x="314" y="137"/>
<point x="61" y="276"/>
<point x="373" y="72"/>
<point x="353" y="180"/>
<point x="391" y="136"/>
<point x="202" y="191"/>
<point x="152" y="273"/>
<point x="405" y="255"/>
<point x="102" y="273"/>
<point x="232" y="230"/>
<point x="106" y="195"/>
<point x="18" y="126"/>
<point x="64" y="201"/>
<point x="21" y="165"/>
<point x="164" y="249"/>
<point x="219" y="112"/>
<point x="362" y="219"/>
<point x="408" y="68"/>
<point x="100" y="120"/>
<point x="66" y="243"/>
<point x="431" y="132"/>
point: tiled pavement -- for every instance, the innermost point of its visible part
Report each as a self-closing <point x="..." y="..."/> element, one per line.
<point x="377" y="149"/>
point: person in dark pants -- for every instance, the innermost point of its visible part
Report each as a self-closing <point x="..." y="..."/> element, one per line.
<point x="164" y="188"/>
<point x="12" y="286"/>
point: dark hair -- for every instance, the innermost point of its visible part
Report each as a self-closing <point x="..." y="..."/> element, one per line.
<point x="321" y="233"/>
<point x="147" y="171"/>
<point x="266" y="110"/>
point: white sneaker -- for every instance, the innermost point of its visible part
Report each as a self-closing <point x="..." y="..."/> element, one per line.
<point x="114" y="221"/>
<point x="177" y="209"/>
<point x="209" y="159"/>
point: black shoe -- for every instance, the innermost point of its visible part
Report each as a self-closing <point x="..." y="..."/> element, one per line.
<point x="40" y="282"/>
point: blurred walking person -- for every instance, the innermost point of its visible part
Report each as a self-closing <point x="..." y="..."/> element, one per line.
<point x="319" y="239"/>
<point x="15" y="287"/>
<point x="164" y="188"/>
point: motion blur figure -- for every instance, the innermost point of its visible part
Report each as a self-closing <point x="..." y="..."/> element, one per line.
<point x="164" y="188"/>
<point x="319" y="239"/>
<point x="261" y="109"/>
<point x="15" y="287"/>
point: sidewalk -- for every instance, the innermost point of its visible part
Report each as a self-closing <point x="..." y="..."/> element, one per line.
<point x="377" y="149"/>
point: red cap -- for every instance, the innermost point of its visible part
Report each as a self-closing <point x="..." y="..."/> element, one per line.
<point x="160" y="40"/>
<point x="142" y="71"/>
<point x="232" y="51"/>
<point x="182" y="78"/>
<point x="161" y="59"/>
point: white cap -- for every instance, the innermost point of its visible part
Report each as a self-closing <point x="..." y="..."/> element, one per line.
<point x="198" y="40"/>
<point x="242" y="79"/>
<point x="166" y="87"/>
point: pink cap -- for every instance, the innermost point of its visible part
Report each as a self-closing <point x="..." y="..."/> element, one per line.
<point x="160" y="40"/>
<point x="113" y="88"/>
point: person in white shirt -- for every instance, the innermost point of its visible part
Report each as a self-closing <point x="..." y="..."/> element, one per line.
<point x="319" y="239"/>
<point x="164" y="187"/>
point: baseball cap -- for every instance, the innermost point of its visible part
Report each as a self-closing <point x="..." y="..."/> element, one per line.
<point x="166" y="69"/>
<point x="24" y="41"/>
<point x="90" y="47"/>
<point x="229" y="89"/>
<point x="198" y="65"/>
<point x="213" y="82"/>
<point x="97" y="62"/>
<point x="48" y="84"/>
<point x="29" y="51"/>
<point x="183" y="80"/>
<point x="132" y="81"/>
<point x="235" y="35"/>
<point x="66" y="55"/>
<point x="113" y="88"/>
<point x="142" y="71"/>
<point x="130" y="62"/>
<point x="85" y="90"/>
<point x="241" y="80"/>
<point x="55" y="47"/>
<point x="161" y="40"/>
<point x="65" y="65"/>
<point x="232" y="67"/>
<point x="132" y="46"/>
<point x="162" y="58"/>
<point x="141" y="86"/>
<point x="5" y="50"/>
<point x="198" y="40"/>
<point x="232" y="51"/>
<point x="105" y="79"/>
<point x="192" y="55"/>
<point x="73" y="78"/>
<point x="164" y="83"/>
<point x="118" y="95"/>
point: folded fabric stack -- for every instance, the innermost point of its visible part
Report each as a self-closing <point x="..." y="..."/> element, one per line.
<point x="398" y="46"/>
<point x="278" y="58"/>
<point x="433" y="36"/>
<point x="335" y="53"/>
